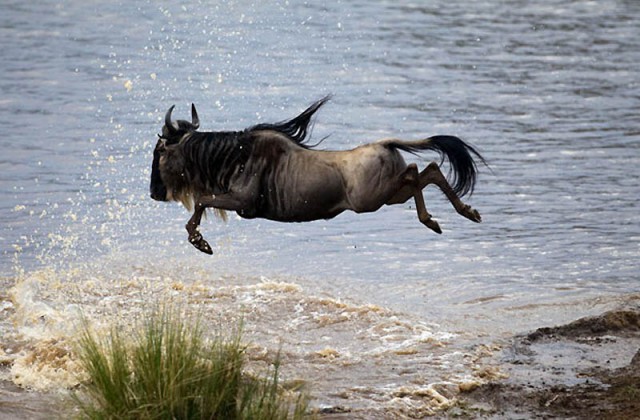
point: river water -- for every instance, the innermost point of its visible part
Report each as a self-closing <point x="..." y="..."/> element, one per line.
<point x="376" y="313"/>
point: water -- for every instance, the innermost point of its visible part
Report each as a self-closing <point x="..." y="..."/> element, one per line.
<point x="380" y="312"/>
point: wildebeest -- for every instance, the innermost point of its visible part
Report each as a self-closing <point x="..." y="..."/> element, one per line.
<point x="269" y="171"/>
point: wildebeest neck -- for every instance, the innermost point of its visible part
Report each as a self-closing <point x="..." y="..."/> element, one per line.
<point x="211" y="159"/>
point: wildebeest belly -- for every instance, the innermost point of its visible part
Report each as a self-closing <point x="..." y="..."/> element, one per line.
<point x="302" y="189"/>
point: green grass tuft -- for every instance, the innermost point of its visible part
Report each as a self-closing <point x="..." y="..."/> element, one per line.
<point x="169" y="370"/>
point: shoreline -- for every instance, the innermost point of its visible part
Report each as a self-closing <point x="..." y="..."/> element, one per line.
<point x="588" y="368"/>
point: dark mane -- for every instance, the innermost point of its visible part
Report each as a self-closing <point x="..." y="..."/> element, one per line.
<point x="212" y="157"/>
<point x="297" y="128"/>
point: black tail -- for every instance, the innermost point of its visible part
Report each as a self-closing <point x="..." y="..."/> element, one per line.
<point x="296" y="128"/>
<point x="463" y="167"/>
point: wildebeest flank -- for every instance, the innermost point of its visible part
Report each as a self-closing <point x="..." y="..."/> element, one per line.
<point x="269" y="171"/>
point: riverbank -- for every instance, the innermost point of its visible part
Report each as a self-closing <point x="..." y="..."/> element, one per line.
<point x="589" y="368"/>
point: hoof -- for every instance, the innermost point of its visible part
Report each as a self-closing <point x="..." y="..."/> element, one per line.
<point x="476" y="216"/>
<point x="471" y="214"/>
<point x="433" y="225"/>
<point x="198" y="241"/>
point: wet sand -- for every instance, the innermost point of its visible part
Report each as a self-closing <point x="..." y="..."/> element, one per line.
<point x="589" y="368"/>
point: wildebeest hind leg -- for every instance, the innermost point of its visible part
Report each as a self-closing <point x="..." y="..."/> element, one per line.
<point x="412" y="180"/>
<point x="433" y="175"/>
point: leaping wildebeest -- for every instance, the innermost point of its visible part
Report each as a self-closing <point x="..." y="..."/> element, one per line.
<point x="269" y="171"/>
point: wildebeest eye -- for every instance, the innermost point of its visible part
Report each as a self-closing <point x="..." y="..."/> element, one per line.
<point x="161" y="146"/>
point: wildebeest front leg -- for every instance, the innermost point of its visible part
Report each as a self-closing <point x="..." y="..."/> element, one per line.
<point x="195" y="237"/>
<point x="224" y="201"/>
<point x="412" y="179"/>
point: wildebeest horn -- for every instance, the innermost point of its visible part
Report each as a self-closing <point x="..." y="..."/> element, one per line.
<point x="195" y="121"/>
<point x="167" y="120"/>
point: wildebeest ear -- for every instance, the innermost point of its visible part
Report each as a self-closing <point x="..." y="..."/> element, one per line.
<point x="195" y="121"/>
<point x="168" y="123"/>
